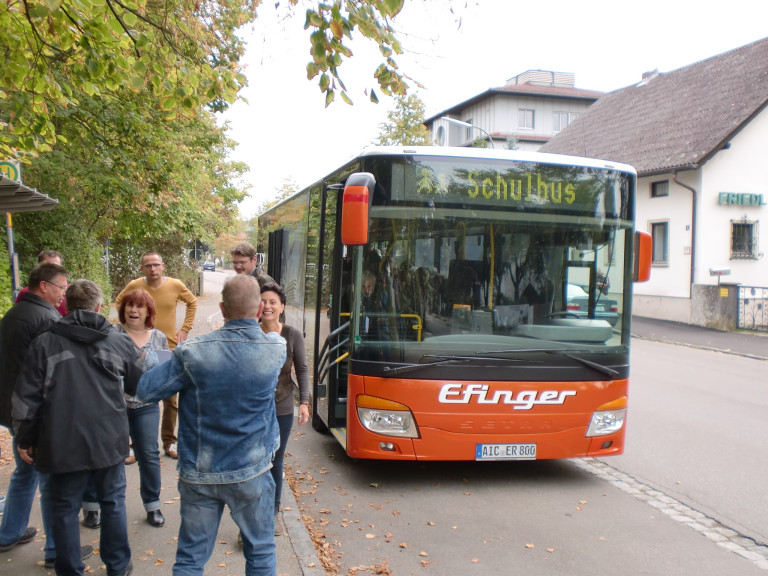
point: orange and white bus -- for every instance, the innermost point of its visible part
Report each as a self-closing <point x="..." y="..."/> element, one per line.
<point x="464" y="303"/>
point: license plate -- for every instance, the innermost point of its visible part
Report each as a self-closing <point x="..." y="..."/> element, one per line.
<point x="505" y="452"/>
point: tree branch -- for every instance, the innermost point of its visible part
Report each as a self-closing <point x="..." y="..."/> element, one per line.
<point x="125" y="27"/>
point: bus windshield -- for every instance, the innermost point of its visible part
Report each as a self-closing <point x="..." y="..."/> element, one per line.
<point x="474" y="257"/>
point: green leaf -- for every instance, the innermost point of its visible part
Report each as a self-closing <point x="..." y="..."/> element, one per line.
<point x="325" y="81"/>
<point x="391" y="7"/>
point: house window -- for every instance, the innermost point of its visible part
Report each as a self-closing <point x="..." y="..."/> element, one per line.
<point x="525" y="118"/>
<point x="468" y="136"/>
<point x="660" y="238"/>
<point x="659" y="189"/>
<point x="560" y="120"/>
<point x="743" y="240"/>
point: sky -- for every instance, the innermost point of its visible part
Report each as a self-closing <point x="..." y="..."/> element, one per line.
<point x="455" y="49"/>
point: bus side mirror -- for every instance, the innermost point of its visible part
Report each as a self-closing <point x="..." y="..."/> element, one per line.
<point x="643" y="256"/>
<point x="354" y="208"/>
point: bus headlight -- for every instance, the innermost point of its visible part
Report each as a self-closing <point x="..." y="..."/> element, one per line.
<point x="386" y="417"/>
<point x="608" y="418"/>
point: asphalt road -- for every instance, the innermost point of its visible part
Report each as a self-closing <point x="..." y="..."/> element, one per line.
<point x="697" y="431"/>
<point x="545" y="517"/>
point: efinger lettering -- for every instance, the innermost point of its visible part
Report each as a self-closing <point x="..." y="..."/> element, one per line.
<point x="525" y="399"/>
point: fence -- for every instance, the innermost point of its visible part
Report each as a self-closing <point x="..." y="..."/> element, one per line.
<point x="752" y="308"/>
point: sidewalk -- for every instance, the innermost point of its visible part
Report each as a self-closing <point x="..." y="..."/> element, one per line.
<point x="748" y="344"/>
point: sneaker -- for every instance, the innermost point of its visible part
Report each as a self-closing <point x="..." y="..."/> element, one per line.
<point x="28" y="536"/>
<point x="91" y="519"/>
<point x="171" y="451"/>
<point x="2" y="503"/>
<point x="131" y="458"/>
<point x="85" y="552"/>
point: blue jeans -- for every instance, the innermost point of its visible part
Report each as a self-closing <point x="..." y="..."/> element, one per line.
<point x="284" y="423"/>
<point x="143" y="422"/>
<point x="67" y="494"/>
<point x="19" y="500"/>
<point x="250" y="504"/>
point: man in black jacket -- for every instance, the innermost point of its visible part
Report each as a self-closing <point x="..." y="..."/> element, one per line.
<point x="33" y="314"/>
<point x="72" y="423"/>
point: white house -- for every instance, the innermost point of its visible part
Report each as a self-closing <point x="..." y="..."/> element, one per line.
<point x="698" y="138"/>
<point x="527" y="111"/>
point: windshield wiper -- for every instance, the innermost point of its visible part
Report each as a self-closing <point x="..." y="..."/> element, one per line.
<point x="438" y="360"/>
<point x="567" y="352"/>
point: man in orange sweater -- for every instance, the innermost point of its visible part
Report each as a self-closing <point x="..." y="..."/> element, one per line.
<point x="166" y="292"/>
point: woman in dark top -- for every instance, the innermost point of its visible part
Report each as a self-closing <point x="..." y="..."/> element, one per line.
<point x="273" y="297"/>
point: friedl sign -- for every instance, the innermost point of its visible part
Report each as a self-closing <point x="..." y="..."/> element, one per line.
<point x="740" y="199"/>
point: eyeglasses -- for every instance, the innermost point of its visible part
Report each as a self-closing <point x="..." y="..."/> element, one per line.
<point x="57" y="285"/>
<point x="152" y="265"/>
<point x="240" y="262"/>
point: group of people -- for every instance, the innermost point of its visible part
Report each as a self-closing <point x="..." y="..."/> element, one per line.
<point x="76" y="391"/>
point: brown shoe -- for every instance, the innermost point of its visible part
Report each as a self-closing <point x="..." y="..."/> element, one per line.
<point x="131" y="459"/>
<point x="170" y="450"/>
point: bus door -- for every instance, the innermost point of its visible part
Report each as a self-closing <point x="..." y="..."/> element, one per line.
<point x="332" y="330"/>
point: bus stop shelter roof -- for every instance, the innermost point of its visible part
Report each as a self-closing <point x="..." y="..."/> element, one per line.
<point x="15" y="197"/>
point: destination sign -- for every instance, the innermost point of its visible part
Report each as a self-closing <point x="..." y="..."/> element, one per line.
<point x="518" y="185"/>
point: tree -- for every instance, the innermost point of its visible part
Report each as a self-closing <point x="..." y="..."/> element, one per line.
<point x="185" y="53"/>
<point x="110" y="103"/>
<point x="122" y="174"/>
<point x="406" y="124"/>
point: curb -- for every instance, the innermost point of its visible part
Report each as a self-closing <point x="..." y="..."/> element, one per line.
<point x="700" y="347"/>
<point x="309" y="561"/>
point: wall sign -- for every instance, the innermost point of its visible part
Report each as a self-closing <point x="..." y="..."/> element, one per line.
<point x="740" y="199"/>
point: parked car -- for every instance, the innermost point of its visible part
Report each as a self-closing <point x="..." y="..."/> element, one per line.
<point x="577" y="304"/>
<point x="209" y="265"/>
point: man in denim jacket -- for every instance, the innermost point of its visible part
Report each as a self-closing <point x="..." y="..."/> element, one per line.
<point x="227" y="430"/>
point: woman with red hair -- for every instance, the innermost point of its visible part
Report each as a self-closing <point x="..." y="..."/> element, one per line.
<point x="137" y="320"/>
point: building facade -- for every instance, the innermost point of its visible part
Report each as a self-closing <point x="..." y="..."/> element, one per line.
<point x="525" y="113"/>
<point x="697" y="137"/>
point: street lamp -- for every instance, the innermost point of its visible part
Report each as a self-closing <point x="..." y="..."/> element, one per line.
<point x="467" y="125"/>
